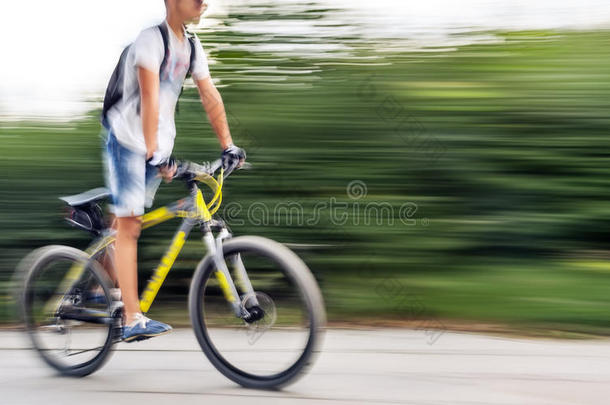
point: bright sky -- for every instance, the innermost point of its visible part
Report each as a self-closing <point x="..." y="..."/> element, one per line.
<point x="65" y="52"/>
<point x="57" y="53"/>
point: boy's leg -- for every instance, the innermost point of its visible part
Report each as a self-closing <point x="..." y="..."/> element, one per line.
<point x="128" y="178"/>
<point x="137" y="326"/>
<point x="126" y="261"/>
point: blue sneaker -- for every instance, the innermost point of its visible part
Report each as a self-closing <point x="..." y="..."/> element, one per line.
<point x="143" y="328"/>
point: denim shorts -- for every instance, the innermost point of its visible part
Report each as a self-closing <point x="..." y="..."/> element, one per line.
<point x="131" y="181"/>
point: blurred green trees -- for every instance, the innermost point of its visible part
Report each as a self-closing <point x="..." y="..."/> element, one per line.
<point x="498" y="151"/>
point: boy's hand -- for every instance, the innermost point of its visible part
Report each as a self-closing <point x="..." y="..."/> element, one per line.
<point x="168" y="171"/>
<point x="232" y="158"/>
<point x="167" y="166"/>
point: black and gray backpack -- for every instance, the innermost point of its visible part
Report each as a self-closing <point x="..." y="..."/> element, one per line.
<point x="114" y="91"/>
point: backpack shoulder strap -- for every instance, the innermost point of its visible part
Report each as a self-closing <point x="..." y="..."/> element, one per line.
<point x="191" y="38"/>
<point x="165" y="36"/>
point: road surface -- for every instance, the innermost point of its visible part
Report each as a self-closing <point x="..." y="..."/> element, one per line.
<point x="385" y="366"/>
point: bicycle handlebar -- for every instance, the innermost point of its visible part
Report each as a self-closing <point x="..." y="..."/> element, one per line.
<point x="188" y="170"/>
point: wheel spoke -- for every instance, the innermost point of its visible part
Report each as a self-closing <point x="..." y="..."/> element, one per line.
<point x="86" y="350"/>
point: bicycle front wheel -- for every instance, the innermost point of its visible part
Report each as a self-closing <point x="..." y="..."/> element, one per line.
<point x="281" y="343"/>
<point x="68" y="310"/>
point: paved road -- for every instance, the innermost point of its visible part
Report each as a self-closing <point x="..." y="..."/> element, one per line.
<point x="357" y="367"/>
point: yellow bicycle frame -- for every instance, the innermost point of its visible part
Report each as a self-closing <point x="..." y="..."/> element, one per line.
<point x="200" y="212"/>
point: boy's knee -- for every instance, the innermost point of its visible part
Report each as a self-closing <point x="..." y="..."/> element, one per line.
<point x="129" y="226"/>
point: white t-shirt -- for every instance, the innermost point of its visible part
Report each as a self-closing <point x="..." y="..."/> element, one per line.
<point x="147" y="52"/>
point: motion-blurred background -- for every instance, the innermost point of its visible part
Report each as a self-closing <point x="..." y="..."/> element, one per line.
<point x="437" y="164"/>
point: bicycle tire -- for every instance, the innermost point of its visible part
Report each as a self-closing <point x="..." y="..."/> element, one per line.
<point x="31" y="267"/>
<point x="298" y="272"/>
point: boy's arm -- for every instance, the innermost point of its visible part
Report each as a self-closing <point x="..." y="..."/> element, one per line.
<point x="149" y="108"/>
<point x="215" y="109"/>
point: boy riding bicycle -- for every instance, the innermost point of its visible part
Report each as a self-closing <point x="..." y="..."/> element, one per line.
<point x="140" y="132"/>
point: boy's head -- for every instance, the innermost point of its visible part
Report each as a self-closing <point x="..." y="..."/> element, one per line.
<point x="189" y="11"/>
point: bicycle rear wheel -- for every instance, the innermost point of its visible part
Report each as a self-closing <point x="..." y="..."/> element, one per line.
<point x="276" y="349"/>
<point x="68" y="310"/>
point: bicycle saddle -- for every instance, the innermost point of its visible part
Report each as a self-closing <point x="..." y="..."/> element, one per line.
<point x="86" y="197"/>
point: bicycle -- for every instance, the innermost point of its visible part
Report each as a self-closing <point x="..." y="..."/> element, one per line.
<point x="74" y="320"/>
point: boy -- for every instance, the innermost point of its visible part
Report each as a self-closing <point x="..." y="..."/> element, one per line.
<point x="140" y="139"/>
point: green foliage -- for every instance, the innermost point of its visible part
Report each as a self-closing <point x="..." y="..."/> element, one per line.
<point x="502" y="149"/>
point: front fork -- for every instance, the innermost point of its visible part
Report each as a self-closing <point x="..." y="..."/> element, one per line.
<point x="223" y="275"/>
